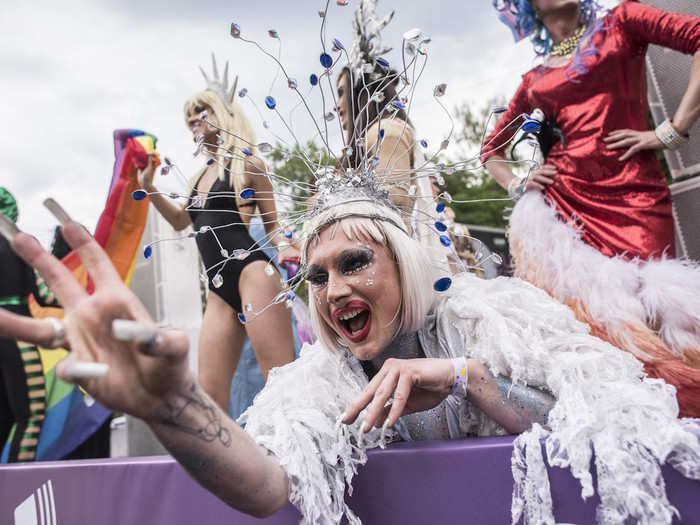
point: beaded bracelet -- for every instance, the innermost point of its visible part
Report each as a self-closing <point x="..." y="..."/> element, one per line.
<point x="668" y="135"/>
<point x="459" y="386"/>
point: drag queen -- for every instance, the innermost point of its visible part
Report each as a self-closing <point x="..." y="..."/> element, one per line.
<point x="393" y="360"/>
<point x="220" y="223"/>
<point x="594" y="228"/>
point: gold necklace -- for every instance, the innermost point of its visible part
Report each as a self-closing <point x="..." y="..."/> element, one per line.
<point x="567" y="46"/>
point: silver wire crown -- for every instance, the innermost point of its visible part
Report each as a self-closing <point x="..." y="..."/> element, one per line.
<point x="220" y="85"/>
<point x="367" y="42"/>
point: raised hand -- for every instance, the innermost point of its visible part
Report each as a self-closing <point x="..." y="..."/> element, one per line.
<point x="145" y="175"/>
<point x="129" y="376"/>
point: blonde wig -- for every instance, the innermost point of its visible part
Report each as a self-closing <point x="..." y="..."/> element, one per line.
<point x="364" y="220"/>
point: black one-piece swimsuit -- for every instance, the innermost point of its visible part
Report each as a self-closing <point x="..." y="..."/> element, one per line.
<point x="220" y="213"/>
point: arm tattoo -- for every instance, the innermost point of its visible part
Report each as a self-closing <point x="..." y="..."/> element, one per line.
<point x="211" y="429"/>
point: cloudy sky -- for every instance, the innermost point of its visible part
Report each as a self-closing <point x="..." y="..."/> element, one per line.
<point x="75" y="70"/>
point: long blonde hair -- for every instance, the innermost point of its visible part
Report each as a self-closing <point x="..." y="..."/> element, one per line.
<point x="241" y="135"/>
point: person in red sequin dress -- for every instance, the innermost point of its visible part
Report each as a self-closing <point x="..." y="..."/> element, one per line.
<point x="594" y="227"/>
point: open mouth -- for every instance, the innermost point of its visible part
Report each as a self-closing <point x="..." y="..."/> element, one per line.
<point x="354" y="320"/>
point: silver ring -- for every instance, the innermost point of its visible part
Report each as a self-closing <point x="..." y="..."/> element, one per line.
<point x="59" y="333"/>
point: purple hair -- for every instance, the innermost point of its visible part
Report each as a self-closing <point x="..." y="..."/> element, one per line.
<point x="519" y="16"/>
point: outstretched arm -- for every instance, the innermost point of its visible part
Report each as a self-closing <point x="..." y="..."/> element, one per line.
<point x="514" y="407"/>
<point x="149" y="379"/>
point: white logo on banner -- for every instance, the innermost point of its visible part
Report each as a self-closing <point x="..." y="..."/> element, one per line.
<point x="38" y="508"/>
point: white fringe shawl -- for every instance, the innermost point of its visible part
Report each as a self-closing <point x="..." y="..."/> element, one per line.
<point x="605" y="406"/>
<point x="296" y="417"/>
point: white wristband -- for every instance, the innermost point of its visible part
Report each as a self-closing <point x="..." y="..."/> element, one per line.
<point x="461" y="377"/>
<point x="668" y="135"/>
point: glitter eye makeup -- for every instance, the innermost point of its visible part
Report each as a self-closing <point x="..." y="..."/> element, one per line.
<point x="354" y="261"/>
<point x="316" y="276"/>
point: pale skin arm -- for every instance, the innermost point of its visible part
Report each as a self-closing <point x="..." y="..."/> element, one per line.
<point x="152" y="382"/>
<point x="176" y="215"/>
<point x="686" y="115"/>
<point x="264" y="192"/>
<point x="539" y="179"/>
<point x="421" y="384"/>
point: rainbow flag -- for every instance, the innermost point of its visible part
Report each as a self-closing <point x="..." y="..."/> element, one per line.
<point x="71" y="416"/>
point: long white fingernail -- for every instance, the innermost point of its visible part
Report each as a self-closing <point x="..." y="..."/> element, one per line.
<point x="125" y="330"/>
<point x="84" y="370"/>
<point x="382" y="436"/>
<point x="363" y="427"/>
<point x="57" y="211"/>
<point x="8" y="229"/>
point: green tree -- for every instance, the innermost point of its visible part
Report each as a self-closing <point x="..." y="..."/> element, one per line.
<point x="475" y="184"/>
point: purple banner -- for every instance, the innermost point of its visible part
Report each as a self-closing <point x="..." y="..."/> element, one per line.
<point x="467" y="481"/>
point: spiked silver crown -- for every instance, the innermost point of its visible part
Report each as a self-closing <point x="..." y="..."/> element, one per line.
<point x="219" y="85"/>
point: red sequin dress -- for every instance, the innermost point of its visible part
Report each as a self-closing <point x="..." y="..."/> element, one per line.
<point x="623" y="207"/>
<point x="599" y="237"/>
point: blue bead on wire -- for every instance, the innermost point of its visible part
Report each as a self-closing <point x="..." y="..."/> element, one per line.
<point x="270" y="102"/>
<point x="442" y="284"/>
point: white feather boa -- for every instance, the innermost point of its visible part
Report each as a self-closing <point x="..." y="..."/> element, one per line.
<point x="663" y="294"/>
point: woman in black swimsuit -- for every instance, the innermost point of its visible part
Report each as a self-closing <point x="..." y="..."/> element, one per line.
<point x="220" y="220"/>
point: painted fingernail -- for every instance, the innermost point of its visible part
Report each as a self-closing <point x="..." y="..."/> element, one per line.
<point x="364" y="427"/>
<point x="84" y="370"/>
<point x="8" y="229"/>
<point x="343" y="416"/>
<point x="384" y="428"/>
<point x="57" y="211"/>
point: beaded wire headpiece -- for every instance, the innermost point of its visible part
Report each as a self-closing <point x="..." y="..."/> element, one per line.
<point x="330" y="181"/>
